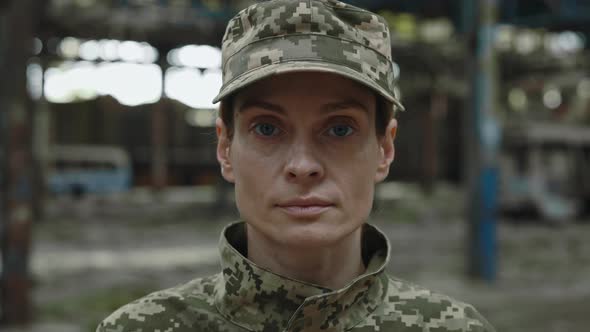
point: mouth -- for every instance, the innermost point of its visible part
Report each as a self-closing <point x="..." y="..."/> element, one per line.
<point x="305" y="207"/>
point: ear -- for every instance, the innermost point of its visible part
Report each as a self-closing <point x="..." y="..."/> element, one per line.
<point x="223" y="150"/>
<point x="386" y="151"/>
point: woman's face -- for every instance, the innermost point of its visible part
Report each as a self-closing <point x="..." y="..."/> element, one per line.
<point x="305" y="157"/>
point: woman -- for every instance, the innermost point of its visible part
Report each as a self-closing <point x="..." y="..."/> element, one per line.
<point x="306" y="130"/>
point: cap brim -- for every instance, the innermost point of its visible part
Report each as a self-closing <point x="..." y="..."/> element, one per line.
<point x="303" y="66"/>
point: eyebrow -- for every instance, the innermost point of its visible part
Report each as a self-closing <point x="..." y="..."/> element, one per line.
<point x="261" y="104"/>
<point x="346" y="104"/>
<point x="327" y="108"/>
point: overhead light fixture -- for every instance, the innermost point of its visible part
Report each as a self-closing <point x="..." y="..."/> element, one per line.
<point x="109" y="49"/>
<point x="89" y="50"/>
<point x="196" y="56"/>
<point x="191" y="87"/>
<point x="526" y="42"/>
<point x="37" y="46"/>
<point x="517" y="99"/>
<point x="35" y="80"/>
<point x="552" y="98"/>
<point x="69" y="47"/>
<point x="504" y="37"/>
<point x="131" y="51"/>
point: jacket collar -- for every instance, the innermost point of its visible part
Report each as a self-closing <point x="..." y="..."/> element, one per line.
<point x="260" y="300"/>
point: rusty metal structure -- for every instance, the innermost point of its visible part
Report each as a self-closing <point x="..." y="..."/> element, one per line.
<point x="17" y="178"/>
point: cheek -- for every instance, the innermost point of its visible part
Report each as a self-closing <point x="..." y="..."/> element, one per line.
<point x="360" y="163"/>
<point x="253" y="174"/>
<point x="251" y="162"/>
<point x="356" y="175"/>
<point x="361" y="185"/>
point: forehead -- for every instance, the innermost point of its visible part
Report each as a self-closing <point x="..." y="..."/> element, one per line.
<point x="316" y="85"/>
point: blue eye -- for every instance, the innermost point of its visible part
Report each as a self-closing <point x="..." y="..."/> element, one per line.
<point x="266" y="129"/>
<point x="341" y="131"/>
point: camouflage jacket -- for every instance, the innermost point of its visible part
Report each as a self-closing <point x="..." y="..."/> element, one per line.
<point x="245" y="297"/>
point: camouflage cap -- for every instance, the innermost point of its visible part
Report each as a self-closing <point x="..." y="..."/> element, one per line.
<point x="279" y="36"/>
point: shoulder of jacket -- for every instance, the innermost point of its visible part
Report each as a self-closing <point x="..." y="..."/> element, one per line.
<point x="173" y="307"/>
<point x="410" y="306"/>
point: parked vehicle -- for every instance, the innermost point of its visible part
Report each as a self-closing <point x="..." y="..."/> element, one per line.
<point x="82" y="169"/>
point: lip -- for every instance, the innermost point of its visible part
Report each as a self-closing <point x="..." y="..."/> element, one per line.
<point x="306" y="201"/>
<point x="305" y="207"/>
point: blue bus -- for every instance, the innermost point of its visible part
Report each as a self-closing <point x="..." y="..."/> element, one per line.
<point x="81" y="169"/>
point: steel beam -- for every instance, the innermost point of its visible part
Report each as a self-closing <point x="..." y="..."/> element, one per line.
<point x="16" y="39"/>
<point x="483" y="137"/>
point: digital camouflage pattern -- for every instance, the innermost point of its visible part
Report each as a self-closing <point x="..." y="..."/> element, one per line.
<point x="245" y="297"/>
<point x="278" y="36"/>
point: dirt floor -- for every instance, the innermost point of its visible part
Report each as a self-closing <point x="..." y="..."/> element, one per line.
<point x="92" y="257"/>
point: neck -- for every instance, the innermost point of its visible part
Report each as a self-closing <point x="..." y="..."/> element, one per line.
<point x="331" y="267"/>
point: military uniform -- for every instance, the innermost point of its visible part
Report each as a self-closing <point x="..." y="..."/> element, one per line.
<point x="246" y="297"/>
<point x="271" y="38"/>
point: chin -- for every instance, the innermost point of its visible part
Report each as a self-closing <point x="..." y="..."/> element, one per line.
<point x="317" y="233"/>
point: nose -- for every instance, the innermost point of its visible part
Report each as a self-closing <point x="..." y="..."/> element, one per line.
<point x="303" y="165"/>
